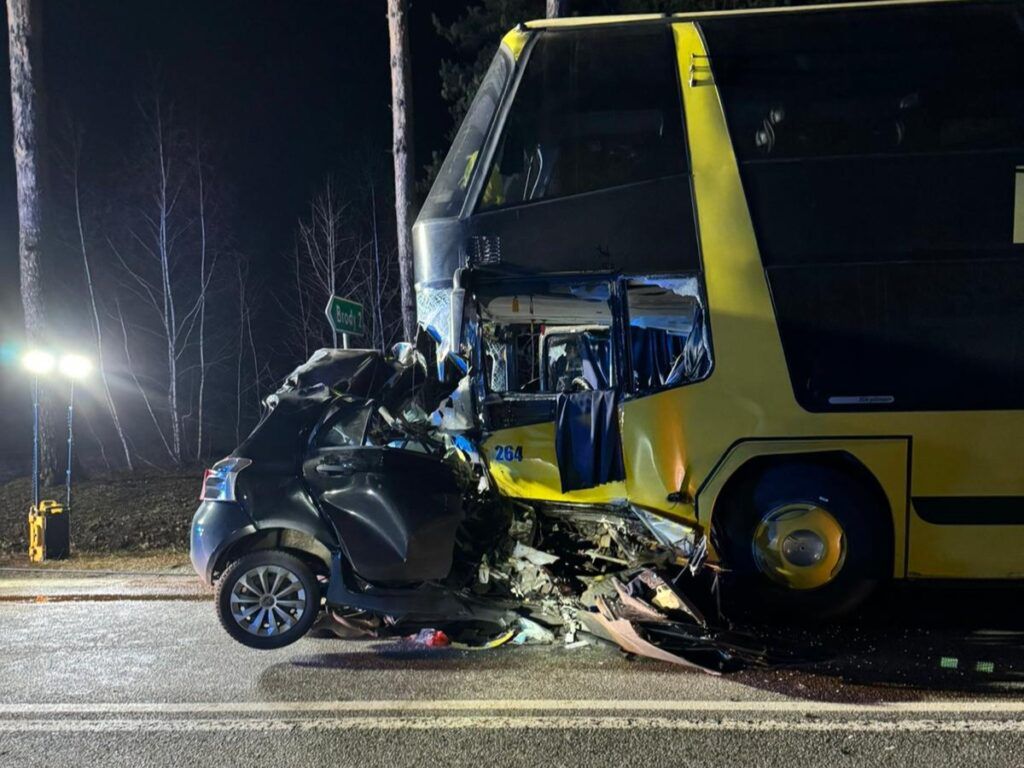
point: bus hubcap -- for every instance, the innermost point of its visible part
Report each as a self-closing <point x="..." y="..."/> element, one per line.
<point x="800" y="546"/>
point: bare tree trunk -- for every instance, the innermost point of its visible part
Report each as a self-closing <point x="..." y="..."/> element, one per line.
<point x="241" y="337"/>
<point x="303" y="310"/>
<point x="138" y="384"/>
<point x="202" y="305"/>
<point x="255" y="361"/>
<point x="24" y="27"/>
<point x="97" y="325"/>
<point x="169" y="310"/>
<point x="331" y="245"/>
<point x="24" y="33"/>
<point x="96" y="438"/>
<point x="378" y="297"/>
<point x="402" y="148"/>
<point x="321" y="240"/>
<point x="556" y="9"/>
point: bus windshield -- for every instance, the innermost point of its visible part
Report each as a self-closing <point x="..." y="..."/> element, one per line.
<point x="449" y="189"/>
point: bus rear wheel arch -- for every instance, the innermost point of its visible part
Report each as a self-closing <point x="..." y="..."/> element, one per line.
<point x="807" y="537"/>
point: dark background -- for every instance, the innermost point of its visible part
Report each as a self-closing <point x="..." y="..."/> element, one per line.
<point x="283" y="93"/>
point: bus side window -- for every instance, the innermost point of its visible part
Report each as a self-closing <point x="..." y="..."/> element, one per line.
<point x="552" y="337"/>
<point x="892" y="81"/>
<point x="572" y="355"/>
<point x="668" y="333"/>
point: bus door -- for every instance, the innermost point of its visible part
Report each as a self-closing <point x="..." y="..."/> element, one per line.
<point x="549" y="369"/>
<point x="668" y="338"/>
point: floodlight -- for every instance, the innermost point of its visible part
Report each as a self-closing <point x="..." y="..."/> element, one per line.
<point x="75" y="366"/>
<point x="38" y="362"/>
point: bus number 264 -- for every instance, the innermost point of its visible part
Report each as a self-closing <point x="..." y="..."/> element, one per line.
<point x="508" y="453"/>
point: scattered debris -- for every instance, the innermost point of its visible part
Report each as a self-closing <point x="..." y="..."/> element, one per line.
<point x="665" y="597"/>
<point x="535" y="556"/>
<point x="494" y="642"/>
<point x="583" y="642"/>
<point x="624" y="633"/>
<point x="431" y="638"/>
<point x="579" y="573"/>
<point x="532" y="633"/>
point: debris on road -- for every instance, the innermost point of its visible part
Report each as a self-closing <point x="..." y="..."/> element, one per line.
<point x="532" y="633"/>
<point x="431" y="638"/>
<point x="494" y="642"/>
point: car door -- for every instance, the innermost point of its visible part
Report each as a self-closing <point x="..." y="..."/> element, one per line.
<point x="395" y="507"/>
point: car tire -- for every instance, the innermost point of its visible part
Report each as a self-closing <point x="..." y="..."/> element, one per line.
<point x="801" y="540"/>
<point x="267" y="599"/>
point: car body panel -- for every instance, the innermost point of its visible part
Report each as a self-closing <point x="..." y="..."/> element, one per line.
<point x="215" y="527"/>
<point x="395" y="510"/>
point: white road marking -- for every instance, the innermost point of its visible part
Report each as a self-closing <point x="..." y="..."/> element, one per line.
<point x="491" y="722"/>
<point x="790" y="706"/>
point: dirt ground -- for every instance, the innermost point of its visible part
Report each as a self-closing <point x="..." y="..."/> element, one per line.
<point x="145" y="515"/>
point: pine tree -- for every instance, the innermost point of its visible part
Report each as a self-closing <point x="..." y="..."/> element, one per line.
<point x="24" y="26"/>
<point x="401" y="118"/>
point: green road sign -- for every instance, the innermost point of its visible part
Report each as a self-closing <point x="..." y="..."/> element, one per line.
<point x="345" y="316"/>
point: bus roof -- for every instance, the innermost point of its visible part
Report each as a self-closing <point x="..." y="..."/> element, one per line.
<point x="584" y="21"/>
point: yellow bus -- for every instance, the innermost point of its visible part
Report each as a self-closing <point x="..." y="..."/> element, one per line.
<point x="759" y="274"/>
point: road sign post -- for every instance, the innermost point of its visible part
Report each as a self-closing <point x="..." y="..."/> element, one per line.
<point x="345" y="317"/>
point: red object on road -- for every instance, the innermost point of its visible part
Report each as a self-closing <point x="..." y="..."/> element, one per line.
<point x="431" y="638"/>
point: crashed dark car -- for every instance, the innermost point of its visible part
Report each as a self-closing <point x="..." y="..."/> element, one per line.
<point x="355" y="501"/>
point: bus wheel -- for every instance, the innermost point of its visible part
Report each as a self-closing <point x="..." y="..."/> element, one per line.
<point x="803" y="540"/>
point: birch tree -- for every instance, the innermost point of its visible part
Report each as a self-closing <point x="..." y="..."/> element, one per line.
<point x="402" y="149"/>
<point x="161" y="273"/>
<point x="90" y="284"/>
<point x="320" y="239"/>
<point x="140" y="387"/>
<point x="205" y="274"/>
<point x="245" y="347"/>
<point x="158" y="237"/>
<point x="343" y="248"/>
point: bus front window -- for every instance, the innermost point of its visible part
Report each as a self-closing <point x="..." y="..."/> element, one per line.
<point x="452" y="183"/>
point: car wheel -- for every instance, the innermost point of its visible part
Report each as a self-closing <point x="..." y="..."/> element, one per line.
<point x="267" y="599"/>
<point x="802" y="540"/>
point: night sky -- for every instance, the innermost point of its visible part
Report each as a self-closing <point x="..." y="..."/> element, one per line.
<point x="285" y="92"/>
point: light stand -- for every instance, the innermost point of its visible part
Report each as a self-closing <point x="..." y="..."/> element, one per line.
<point x="71" y="416"/>
<point x="35" y="442"/>
<point x="48" y="521"/>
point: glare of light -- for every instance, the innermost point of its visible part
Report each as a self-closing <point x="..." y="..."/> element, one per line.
<point x="8" y="354"/>
<point x="38" y="362"/>
<point x="75" y="366"/>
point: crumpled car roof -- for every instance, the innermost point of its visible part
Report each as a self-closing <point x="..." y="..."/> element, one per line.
<point x="357" y="372"/>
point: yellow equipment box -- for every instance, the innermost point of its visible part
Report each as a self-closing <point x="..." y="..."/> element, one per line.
<point x="49" y="532"/>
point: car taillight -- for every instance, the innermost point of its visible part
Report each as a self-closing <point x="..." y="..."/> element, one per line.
<point x="219" y="482"/>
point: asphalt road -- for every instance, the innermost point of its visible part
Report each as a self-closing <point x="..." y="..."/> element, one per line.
<point x="155" y="681"/>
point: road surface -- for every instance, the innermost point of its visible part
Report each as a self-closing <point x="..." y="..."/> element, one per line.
<point x="134" y="676"/>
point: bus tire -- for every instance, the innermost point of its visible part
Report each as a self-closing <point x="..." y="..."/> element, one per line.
<point x="803" y="540"/>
